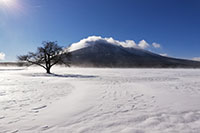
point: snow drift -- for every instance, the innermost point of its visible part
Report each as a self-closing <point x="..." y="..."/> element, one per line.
<point x="99" y="101"/>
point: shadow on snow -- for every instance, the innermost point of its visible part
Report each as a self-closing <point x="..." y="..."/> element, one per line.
<point x="61" y="75"/>
<point x="12" y="69"/>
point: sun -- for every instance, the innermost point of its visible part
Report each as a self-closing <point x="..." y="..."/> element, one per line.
<point x="7" y="3"/>
<point x="11" y="7"/>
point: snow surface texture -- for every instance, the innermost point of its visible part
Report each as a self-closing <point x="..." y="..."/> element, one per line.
<point x="88" y="100"/>
<point x="92" y="40"/>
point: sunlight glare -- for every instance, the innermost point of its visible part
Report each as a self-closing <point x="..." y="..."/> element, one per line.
<point x="11" y="6"/>
<point x="7" y="2"/>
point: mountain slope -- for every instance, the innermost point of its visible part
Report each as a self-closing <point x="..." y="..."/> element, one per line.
<point x="108" y="55"/>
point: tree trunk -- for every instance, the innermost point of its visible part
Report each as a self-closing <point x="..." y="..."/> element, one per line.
<point x="48" y="71"/>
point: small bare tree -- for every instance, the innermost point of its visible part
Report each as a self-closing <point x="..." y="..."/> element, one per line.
<point x="47" y="56"/>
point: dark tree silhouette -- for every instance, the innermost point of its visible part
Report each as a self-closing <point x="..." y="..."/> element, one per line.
<point x="47" y="56"/>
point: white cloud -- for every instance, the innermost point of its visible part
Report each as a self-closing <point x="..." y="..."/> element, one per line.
<point x="129" y="44"/>
<point x="2" y="56"/>
<point x="196" y="58"/>
<point x="156" y="45"/>
<point x="164" y="54"/>
<point x="92" y="40"/>
<point x="143" y="44"/>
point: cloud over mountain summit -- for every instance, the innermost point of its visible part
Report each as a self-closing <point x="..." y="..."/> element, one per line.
<point x="92" y="40"/>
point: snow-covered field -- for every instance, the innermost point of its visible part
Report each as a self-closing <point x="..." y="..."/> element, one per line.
<point x="88" y="100"/>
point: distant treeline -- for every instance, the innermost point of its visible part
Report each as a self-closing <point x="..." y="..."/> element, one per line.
<point x="13" y="64"/>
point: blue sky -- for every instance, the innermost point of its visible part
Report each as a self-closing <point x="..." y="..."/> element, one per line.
<point x="174" y="24"/>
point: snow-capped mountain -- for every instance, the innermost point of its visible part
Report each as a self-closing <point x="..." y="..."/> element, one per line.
<point x="107" y="52"/>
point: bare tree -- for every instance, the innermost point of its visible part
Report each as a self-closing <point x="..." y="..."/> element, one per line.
<point x="47" y="56"/>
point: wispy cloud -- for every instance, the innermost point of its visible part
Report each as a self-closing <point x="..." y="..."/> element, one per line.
<point x="38" y="6"/>
<point x="2" y="56"/>
<point x="91" y="40"/>
<point x="164" y="54"/>
<point x="156" y="45"/>
<point x="196" y="58"/>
